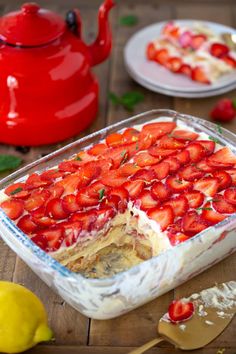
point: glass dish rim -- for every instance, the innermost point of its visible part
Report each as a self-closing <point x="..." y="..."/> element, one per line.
<point x="53" y="263"/>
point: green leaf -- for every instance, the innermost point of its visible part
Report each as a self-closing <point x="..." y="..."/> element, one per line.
<point x="127" y="100"/>
<point x="219" y="128"/>
<point x="203" y="208"/>
<point x="114" y="98"/>
<point x="217" y="141"/>
<point x="17" y="190"/>
<point x="128" y="20"/>
<point x="234" y="103"/>
<point x="101" y="193"/>
<point x="9" y="162"/>
<point x="78" y="158"/>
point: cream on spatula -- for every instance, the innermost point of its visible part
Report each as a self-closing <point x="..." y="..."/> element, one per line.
<point x="193" y="322"/>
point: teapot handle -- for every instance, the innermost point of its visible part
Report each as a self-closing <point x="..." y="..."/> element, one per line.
<point x="73" y="21"/>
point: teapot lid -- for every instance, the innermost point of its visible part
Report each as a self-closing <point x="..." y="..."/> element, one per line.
<point x="31" y="26"/>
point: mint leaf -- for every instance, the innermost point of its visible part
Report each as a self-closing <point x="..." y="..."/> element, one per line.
<point x="219" y="128"/>
<point x="127" y="100"/>
<point x="217" y="141"/>
<point x="9" y="162"/>
<point x="78" y="158"/>
<point x="204" y="209"/>
<point x="114" y="98"/>
<point x="128" y="20"/>
<point x="17" y="190"/>
<point x="101" y="193"/>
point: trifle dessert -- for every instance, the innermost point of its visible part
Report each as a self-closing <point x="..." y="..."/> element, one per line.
<point x="126" y="199"/>
<point x="195" y="51"/>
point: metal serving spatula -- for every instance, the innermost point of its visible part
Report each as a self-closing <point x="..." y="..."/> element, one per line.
<point x="214" y="309"/>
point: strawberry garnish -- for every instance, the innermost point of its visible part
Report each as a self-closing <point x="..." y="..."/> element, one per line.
<point x="224" y="178"/>
<point x="43" y="221"/>
<point x="174" y="164"/>
<point x="219" y="50"/>
<point x="186" y="70"/>
<point x="232" y="174"/>
<point x="130" y="135"/>
<point x="185" y="39"/>
<point x="161" y="169"/>
<point x="112" y="201"/>
<point x="192" y="223"/>
<point x="207" y="185"/>
<point x="198" y="74"/>
<point x="27" y="224"/>
<point x="203" y="165"/>
<point x="145" y="159"/>
<point x="146" y="175"/>
<point x="222" y="158"/>
<point x="34" y="181"/>
<point x="98" y="149"/>
<point x="177" y="238"/>
<point x="151" y="51"/>
<point x="191" y="172"/>
<point x="183" y="157"/>
<point x="208" y="145"/>
<point x="197" y="41"/>
<point x="55" y="191"/>
<point x="177" y="184"/>
<point x="179" y="205"/>
<point x="174" y="64"/>
<point x="123" y="194"/>
<point x="230" y="195"/>
<point x="118" y="155"/>
<point x="221" y="205"/>
<point x="16" y="190"/>
<point x="128" y="169"/>
<point x="54" y="237"/>
<point x="87" y="219"/>
<point x="104" y="214"/>
<point x="229" y="60"/>
<point x="195" y="198"/>
<point x="134" y="188"/>
<point x="210" y="215"/>
<point x="69" y="204"/>
<point x="37" y="199"/>
<point x="55" y="210"/>
<point x="196" y="151"/>
<point x="158" y="129"/>
<point x="162" y="56"/>
<point x="71" y="232"/>
<point x="179" y="311"/>
<point x="160" y="191"/>
<point x="164" y="216"/>
<point x="41" y="241"/>
<point x="146" y="201"/>
<point x="85" y="199"/>
<point x="114" y="139"/>
<point x="69" y="166"/>
<point x="70" y="183"/>
<point x="168" y="142"/>
<point x="13" y="208"/>
<point x="113" y="179"/>
<point x="156" y="151"/>
<point x="224" y="110"/>
<point x="184" y="135"/>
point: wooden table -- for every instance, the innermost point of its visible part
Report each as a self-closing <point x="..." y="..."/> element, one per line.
<point x="75" y="333"/>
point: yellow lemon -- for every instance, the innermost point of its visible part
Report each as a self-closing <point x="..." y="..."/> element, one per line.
<point x="23" y="319"/>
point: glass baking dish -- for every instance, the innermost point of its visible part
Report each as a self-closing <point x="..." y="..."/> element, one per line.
<point x="114" y="296"/>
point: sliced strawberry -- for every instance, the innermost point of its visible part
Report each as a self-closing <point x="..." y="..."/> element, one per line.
<point x="158" y="129"/>
<point x="185" y="39"/>
<point x="130" y="135"/>
<point x="169" y="28"/>
<point x="196" y="151"/>
<point x="174" y="164"/>
<point x="207" y="185"/>
<point x="230" y="195"/>
<point x="221" y="205"/>
<point x="146" y="201"/>
<point x="113" y="179"/>
<point x="168" y="142"/>
<point x="128" y="169"/>
<point x="69" y="204"/>
<point x="103" y="216"/>
<point x="161" y="169"/>
<point x="160" y="191"/>
<point x="134" y="188"/>
<point x="54" y="209"/>
<point x="83" y="157"/>
<point x="26" y="224"/>
<point x="204" y="166"/>
<point x="71" y="232"/>
<point x="178" y="185"/>
<point x="41" y="241"/>
<point x="210" y="215"/>
<point x="151" y="51"/>
<point x="16" y="190"/>
<point x="164" y="216"/>
<point x="195" y="198"/>
<point x="123" y="194"/>
<point x="145" y="159"/>
<point x="177" y="238"/>
<point x="184" y="135"/>
<point x="112" y="201"/>
<point x="55" y="191"/>
<point x="158" y="152"/>
<point x="162" y="56"/>
<point x="146" y="140"/>
<point x="219" y="50"/>
<point x="97" y="190"/>
<point x="70" y="183"/>
<point x="197" y="41"/>
<point x="118" y="155"/>
<point x="198" y="74"/>
<point x="224" y="178"/>
<point x="87" y="219"/>
<point x="34" y="181"/>
<point x="37" y="199"/>
<point x="84" y="199"/>
<point x="90" y="171"/>
<point x="174" y="64"/>
<point x="179" y="311"/>
<point x="39" y="212"/>
<point x="179" y="205"/>
<point x="192" y="223"/>
<point x="222" y="158"/>
<point x="114" y="139"/>
<point x="208" y="145"/>
<point x="186" y="70"/>
<point x="190" y="173"/>
<point x="54" y="237"/>
<point x="229" y="60"/>
<point x="232" y="174"/>
<point x="183" y="157"/>
<point x="69" y="166"/>
<point x="98" y="149"/>
<point x="146" y="175"/>
<point x="13" y="208"/>
<point x="175" y="228"/>
<point x="44" y="221"/>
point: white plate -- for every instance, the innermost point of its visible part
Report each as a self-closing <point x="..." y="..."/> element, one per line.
<point x="158" y="78"/>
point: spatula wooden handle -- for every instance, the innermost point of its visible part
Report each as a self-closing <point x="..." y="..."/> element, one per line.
<point x="147" y="346"/>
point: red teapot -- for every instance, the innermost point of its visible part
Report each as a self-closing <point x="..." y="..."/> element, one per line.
<point x="47" y="90"/>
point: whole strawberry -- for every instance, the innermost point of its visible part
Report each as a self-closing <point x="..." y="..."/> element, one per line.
<point x="224" y="110"/>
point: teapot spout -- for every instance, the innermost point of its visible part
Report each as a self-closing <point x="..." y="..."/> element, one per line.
<point x="100" y="49"/>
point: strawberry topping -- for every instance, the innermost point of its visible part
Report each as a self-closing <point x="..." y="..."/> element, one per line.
<point x="164" y="216"/>
<point x="179" y="311"/>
